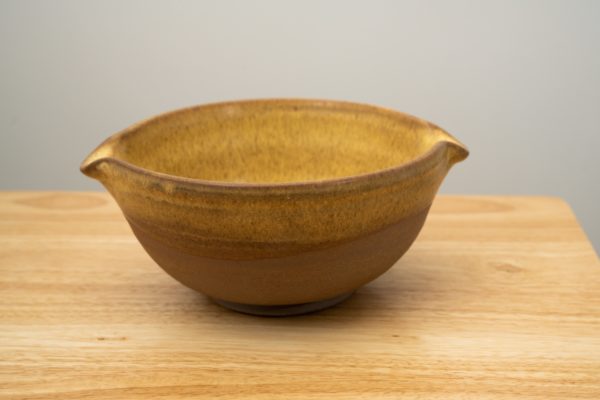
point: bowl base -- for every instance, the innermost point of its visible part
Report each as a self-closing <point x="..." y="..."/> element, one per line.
<point x="284" y="310"/>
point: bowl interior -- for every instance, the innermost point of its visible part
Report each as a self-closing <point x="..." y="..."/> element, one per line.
<point x="275" y="141"/>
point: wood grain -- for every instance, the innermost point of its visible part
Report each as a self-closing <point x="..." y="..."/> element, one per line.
<point x="498" y="298"/>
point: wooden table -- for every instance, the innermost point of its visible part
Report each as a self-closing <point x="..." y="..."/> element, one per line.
<point x="498" y="298"/>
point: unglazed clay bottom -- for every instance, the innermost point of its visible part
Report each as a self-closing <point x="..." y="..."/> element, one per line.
<point x="284" y="311"/>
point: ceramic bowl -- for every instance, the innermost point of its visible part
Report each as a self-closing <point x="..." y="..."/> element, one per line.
<point x="276" y="207"/>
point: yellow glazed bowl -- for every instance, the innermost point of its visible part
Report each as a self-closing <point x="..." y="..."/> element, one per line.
<point x="276" y="207"/>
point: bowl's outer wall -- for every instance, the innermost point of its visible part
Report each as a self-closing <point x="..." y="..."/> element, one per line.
<point x="303" y="277"/>
<point x="236" y="223"/>
<point x="278" y="244"/>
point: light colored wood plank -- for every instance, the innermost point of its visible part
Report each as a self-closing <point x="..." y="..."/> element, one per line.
<point x="498" y="298"/>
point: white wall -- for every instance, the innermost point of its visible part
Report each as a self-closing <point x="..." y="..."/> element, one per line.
<point x="517" y="81"/>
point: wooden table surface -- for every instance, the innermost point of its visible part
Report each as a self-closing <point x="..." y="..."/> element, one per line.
<point x="498" y="298"/>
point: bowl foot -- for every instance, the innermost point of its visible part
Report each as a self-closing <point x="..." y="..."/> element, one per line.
<point x="284" y="310"/>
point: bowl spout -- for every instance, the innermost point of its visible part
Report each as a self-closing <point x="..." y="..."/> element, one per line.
<point x="456" y="151"/>
<point x="91" y="168"/>
<point x="96" y="163"/>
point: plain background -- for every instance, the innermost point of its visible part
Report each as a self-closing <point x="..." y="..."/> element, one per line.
<point x="517" y="81"/>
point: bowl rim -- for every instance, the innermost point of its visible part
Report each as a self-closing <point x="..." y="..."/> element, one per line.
<point x="396" y="171"/>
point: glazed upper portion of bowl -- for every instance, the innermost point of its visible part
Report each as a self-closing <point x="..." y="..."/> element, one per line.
<point x="273" y="176"/>
<point x="277" y="141"/>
